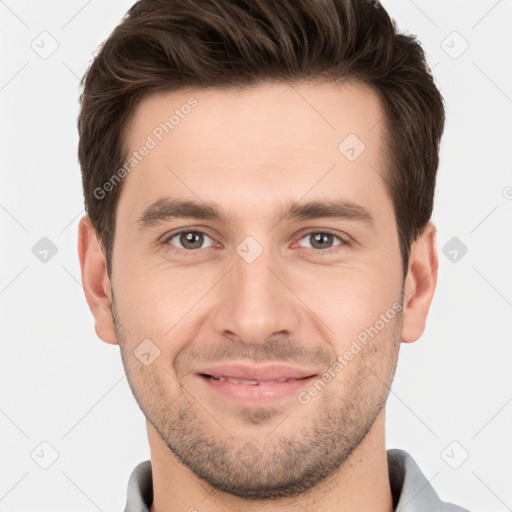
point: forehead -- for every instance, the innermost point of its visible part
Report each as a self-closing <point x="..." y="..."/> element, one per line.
<point x="327" y="109"/>
<point x="250" y="142"/>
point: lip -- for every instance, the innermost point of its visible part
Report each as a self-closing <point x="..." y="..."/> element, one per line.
<point x="258" y="386"/>
<point x="260" y="373"/>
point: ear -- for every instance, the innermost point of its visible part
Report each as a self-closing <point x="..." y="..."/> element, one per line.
<point x="95" y="280"/>
<point x="420" y="283"/>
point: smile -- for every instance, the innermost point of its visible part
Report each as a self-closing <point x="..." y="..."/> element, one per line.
<point x="248" y="382"/>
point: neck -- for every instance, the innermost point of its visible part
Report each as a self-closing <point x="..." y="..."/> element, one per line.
<point x="360" y="484"/>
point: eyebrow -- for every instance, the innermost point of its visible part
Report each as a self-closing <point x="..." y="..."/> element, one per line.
<point x="166" y="209"/>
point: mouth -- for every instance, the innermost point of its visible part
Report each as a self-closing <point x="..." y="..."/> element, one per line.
<point x="255" y="385"/>
<point x="251" y="382"/>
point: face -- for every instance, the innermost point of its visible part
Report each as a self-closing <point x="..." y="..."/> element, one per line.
<point x="256" y="242"/>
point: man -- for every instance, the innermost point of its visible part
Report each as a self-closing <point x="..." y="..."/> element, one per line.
<point x="259" y="180"/>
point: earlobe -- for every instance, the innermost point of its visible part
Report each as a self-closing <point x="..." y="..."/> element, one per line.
<point x="95" y="280"/>
<point x="420" y="284"/>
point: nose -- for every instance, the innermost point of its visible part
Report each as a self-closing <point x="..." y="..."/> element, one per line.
<point x="255" y="301"/>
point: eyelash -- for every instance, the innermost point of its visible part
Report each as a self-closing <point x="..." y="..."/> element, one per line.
<point x="336" y="248"/>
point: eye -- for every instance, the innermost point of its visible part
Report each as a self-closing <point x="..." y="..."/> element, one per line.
<point x="322" y="241"/>
<point x="189" y="240"/>
<point x="192" y="240"/>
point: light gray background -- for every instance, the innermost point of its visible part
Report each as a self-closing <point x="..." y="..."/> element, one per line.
<point x="61" y="385"/>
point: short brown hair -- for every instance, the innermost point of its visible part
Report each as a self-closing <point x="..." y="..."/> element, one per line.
<point x="165" y="45"/>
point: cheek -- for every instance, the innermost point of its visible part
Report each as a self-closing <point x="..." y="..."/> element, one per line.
<point x="160" y="305"/>
<point x="348" y="300"/>
<point x="157" y="301"/>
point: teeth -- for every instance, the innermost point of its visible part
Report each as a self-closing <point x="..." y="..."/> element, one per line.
<point x="242" y="381"/>
<point x="245" y="381"/>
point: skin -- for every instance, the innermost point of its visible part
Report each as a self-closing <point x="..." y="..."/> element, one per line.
<point x="249" y="152"/>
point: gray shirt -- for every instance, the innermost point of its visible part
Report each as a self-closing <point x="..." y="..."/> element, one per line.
<point x="411" y="490"/>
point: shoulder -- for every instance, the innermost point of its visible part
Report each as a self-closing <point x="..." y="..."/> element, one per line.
<point x="412" y="491"/>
